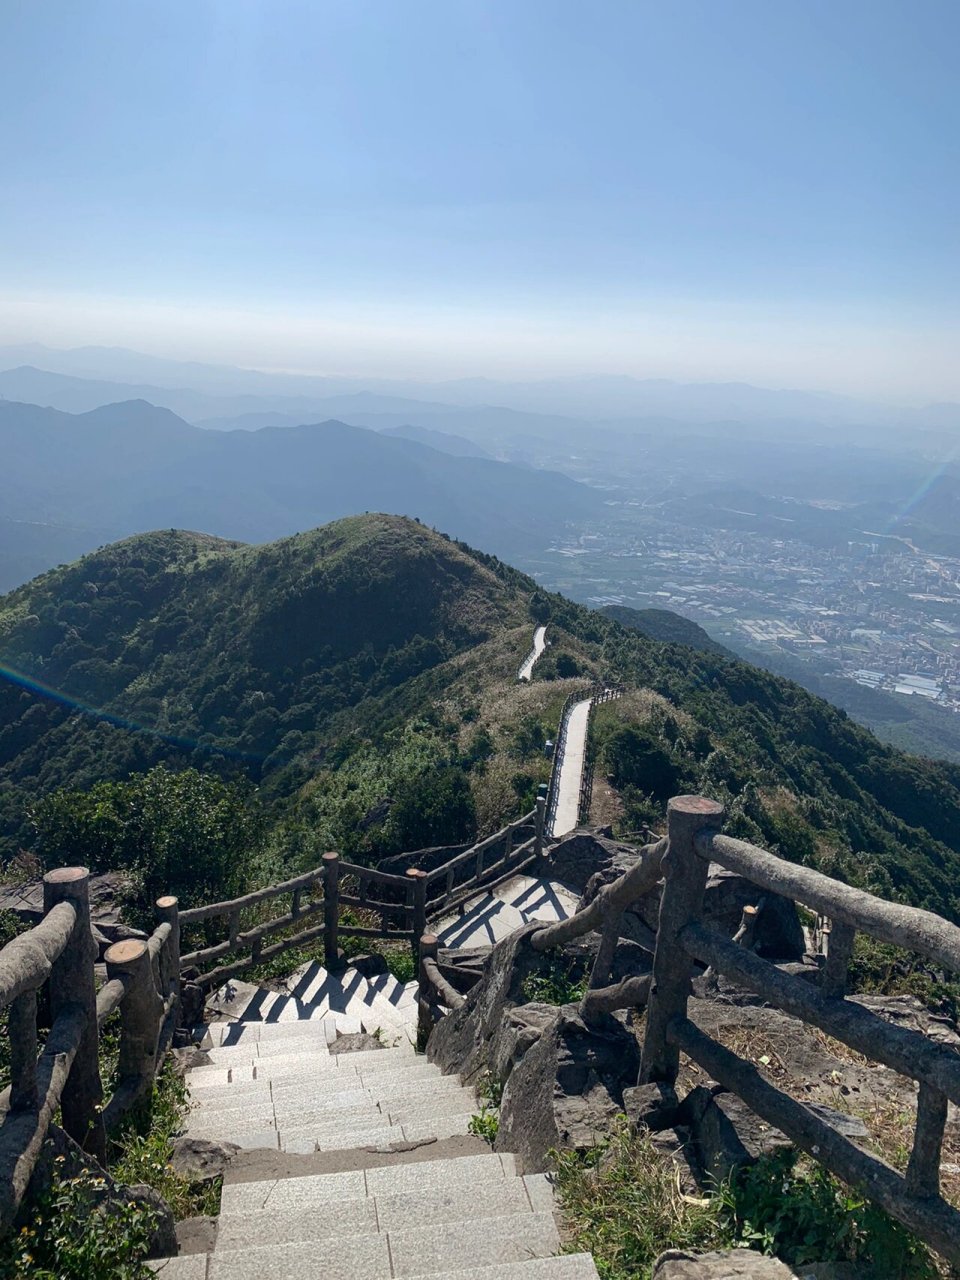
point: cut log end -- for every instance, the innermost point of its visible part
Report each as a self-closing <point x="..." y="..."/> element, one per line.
<point x="125" y="952"/>
<point x="66" y="875"/>
<point x="696" y="806"/>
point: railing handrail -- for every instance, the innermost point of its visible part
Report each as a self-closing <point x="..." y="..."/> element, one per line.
<point x="411" y="907"/>
<point x="693" y="841"/>
<point x="27" y="960"/>
<point x="892" y="922"/>
<point x="59" y="953"/>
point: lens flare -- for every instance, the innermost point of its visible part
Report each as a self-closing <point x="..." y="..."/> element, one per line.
<point x="36" y="687"/>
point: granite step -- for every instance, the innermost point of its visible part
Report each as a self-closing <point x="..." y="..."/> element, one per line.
<point x="572" y="1266"/>
<point x="389" y="1212"/>
<point x="426" y="1178"/>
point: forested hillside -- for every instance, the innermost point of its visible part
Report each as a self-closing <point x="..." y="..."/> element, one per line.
<point x="361" y="678"/>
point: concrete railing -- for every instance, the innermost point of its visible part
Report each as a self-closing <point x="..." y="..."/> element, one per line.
<point x="404" y="903"/>
<point x="683" y="857"/>
<point x="56" y="959"/>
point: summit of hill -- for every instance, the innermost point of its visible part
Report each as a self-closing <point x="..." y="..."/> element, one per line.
<point x="366" y="671"/>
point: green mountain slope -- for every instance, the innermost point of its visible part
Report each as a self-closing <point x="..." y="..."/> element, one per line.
<point x="370" y="665"/>
<point x="664" y="625"/>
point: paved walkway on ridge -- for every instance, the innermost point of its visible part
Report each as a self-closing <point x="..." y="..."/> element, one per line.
<point x="571" y="765"/>
<point x="493" y="916"/>
<point x="539" y="644"/>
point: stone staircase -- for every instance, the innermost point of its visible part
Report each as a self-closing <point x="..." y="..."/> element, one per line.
<point x="408" y="1193"/>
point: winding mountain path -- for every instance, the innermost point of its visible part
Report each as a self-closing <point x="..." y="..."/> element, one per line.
<point x="570" y="765"/>
<point x="361" y="1164"/>
<point x="530" y="661"/>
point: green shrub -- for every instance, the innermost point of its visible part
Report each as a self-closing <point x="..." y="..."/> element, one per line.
<point x="72" y="1235"/>
<point x="142" y="1150"/>
<point x="185" y="833"/>
<point x="486" y="1123"/>
<point x="559" y="982"/>
<point x="788" y="1205"/>
<point x="622" y="1202"/>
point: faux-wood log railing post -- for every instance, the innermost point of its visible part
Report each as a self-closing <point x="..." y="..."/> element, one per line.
<point x="141" y="1013"/>
<point x="419" y="881"/>
<point x="923" y="1170"/>
<point x="429" y="950"/>
<point x="331" y="909"/>
<point x="833" y="979"/>
<point x="540" y="821"/>
<point x="168" y="912"/>
<point x="72" y="987"/>
<point x="22" y="1033"/>
<point x="685" y="875"/>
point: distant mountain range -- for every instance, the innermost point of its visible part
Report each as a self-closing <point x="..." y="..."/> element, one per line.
<point x="599" y="398"/>
<point x="69" y="482"/>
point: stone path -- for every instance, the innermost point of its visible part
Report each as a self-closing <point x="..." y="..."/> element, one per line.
<point x="272" y="1083"/>
<point x="492" y="916"/>
<point x="530" y="661"/>
<point x="571" y="764"/>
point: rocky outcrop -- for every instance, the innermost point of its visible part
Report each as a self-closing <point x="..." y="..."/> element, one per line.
<point x="479" y="1036"/>
<point x="564" y="1081"/>
<point x="106" y="898"/>
<point x="355" y="1042"/>
<point x="587" y="862"/>
<point x="723" y="1264"/>
<point x="566" y="1090"/>
<point x="199" y="1160"/>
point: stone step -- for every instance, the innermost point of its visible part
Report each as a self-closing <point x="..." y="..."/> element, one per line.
<point x="211" y="1082"/>
<point x="400" y="1110"/>
<point x="425" y="1178"/>
<point x="230" y="1033"/>
<point x="280" y="1059"/>
<point x="570" y="1266"/>
<point x="283" y="1072"/>
<point x="431" y="1250"/>
<point x="323" y="1094"/>
<point x="208" y="1091"/>
<point x="304" y="1141"/>
<point x="338" y="1258"/>
<point x="414" y="1113"/>
<point x="436" y="1249"/>
<point x="390" y="1212"/>
<point x="450" y="1126"/>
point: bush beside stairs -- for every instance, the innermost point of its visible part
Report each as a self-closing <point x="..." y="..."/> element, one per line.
<point x="396" y="1202"/>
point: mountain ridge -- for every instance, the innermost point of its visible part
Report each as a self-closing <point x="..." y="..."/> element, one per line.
<point x="323" y="665"/>
<point x="127" y="467"/>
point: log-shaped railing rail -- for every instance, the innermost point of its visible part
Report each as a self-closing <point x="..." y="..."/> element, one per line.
<point x="403" y="902"/>
<point x="58" y="956"/>
<point x="693" y="841"/>
<point x="436" y="995"/>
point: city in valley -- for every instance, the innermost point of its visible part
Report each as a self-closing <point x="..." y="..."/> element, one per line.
<point x="880" y="612"/>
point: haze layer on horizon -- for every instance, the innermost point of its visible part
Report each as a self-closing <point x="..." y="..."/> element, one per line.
<point x="690" y="190"/>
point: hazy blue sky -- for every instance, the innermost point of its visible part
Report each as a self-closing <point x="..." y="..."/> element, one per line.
<point x="758" y="189"/>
